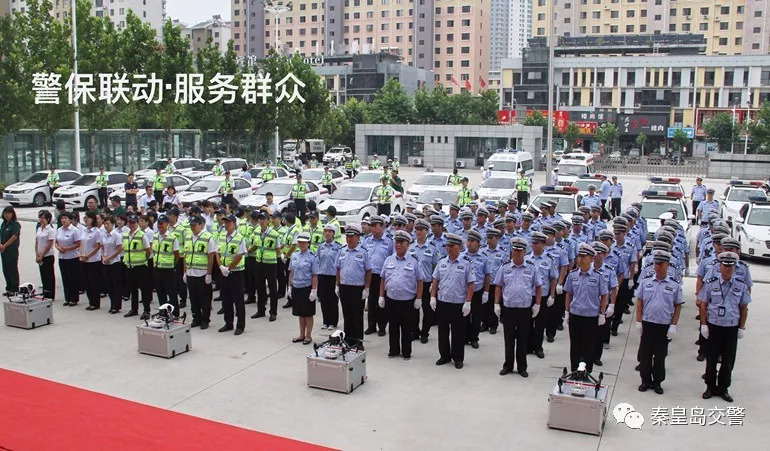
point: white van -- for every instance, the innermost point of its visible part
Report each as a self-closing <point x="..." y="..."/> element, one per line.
<point x="512" y="161"/>
<point x="574" y="165"/>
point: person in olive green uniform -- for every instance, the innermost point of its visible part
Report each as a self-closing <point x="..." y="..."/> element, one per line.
<point x="101" y="184"/>
<point x="9" y="249"/>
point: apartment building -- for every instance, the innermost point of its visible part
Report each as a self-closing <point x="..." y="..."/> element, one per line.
<point x="215" y="28"/>
<point x="448" y="37"/>
<point x="510" y="28"/>
<point x="731" y="27"/>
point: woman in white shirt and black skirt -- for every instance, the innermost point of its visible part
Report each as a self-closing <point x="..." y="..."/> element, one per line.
<point x="68" y="243"/>
<point x="112" y="247"/>
<point x="91" y="256"/>
<point x="44" y="245"/>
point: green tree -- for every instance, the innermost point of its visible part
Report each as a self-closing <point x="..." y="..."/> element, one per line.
<point x="233" y="115"/>
<point x="680" y="140"/>
<point x="355" y="113"/>
<point x="12" y="87"/>
<point x="334" y="127"/>
<point x="174" y="59"/>
<point x="137" y="51"/>
<point x="571" y="135"/>
<point x="722" y="129"/>
<point x="641" y="140"/>
<point x="425" y="111"/>
<point x="46" y="50"/>
<point x="536" y="119"/>
<point x="98" y="45"/>
<point x="263" y="113"/>
<point x="203" y="115"/>
<point x="759" y="130"/>
<point x="486" y="106"/>
<point x="606" y="134"/>
<point x="392" y="105"/>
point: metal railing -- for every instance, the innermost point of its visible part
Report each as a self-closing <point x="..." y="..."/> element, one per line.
<point x="653" y="165"/>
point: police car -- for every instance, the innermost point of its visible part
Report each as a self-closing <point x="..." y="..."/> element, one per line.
<point x="512" y="162"/>
<point x="180" y="165"/>
<point x="34" y="189"/>
<point x="208" y="189"/>
<point x="281" y="189"/>
<point x="573" y="165"/>
<point x="584" y="181"/>
<point x="668" y="184"/>
<point x="279" y="173"/>
<point x="447" y="194"/>
<point x="356" y="201"/>
<point x="179" y="182"/>
<point x="368" y="176"/>
<point x="426" y="181"/>
<point x="77" y="193"/>
<point x="206" y="168"/>
<point x="737" y="195"/>
<point x="338" y="155"/>
<point x="752" y="227"/>
<point x="314" y="175"/>
<point x="566" y="198"/>
<point x="655" y="203"/>
<point x="500" y="186"/>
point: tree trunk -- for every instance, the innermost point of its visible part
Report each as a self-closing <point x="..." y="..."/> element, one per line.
<point x="168" y="141"/>
<point x="229" y="143"/>
<point x="132" y="149"/>
<point x="92" y="135"/>
<point x="45" y="152"/>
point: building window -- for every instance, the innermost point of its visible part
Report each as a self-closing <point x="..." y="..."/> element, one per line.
<point x="757" y="13"/>
<point x="630" y="13"/>
<point x="685" y="27"/>
<point x="658" y="17"/>
<point x="704" y="26"/>
<point x="583" y="30"/>
<point x="704" y="11"/>
<point x="465" y="63"/>
<point x="672" y="12"/>
<point x="450" y="23"/>
<point x="567" y="20"/>
<point x="466" y="22"/>
<point x="466" y="9"/>
<point x="722" y="41"/>
<point x="724" y="26"/>
<point x="465" y="36"/>
<point x="450" y="37"/>
<point x="541" y="16"/>
<point x="437" y="50"/>
<point x="739" y="25"/>
<point x="755" y="46"/>
<point x="450" y="64"/>
<point x="740" y="10"/>
<point x="583" y="15"/>
<point x="541" y="31"/>
<point x="613" y="28"/>
<point x="596" y="14"/>
<point x="614" y="14"/>
<point x="450" y="10"/>
<point x="642" y="28"/>
<point x="672" y="27"/>
<point x="724" y="10"/>
<point x="738" y="41"/>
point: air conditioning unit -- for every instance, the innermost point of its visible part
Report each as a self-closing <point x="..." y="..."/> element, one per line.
<point x="688" y="17"/>
<point x="705" y="16"/>
<point x="600" y="85"/>
<point x="417" y="162"/>
<point x="460" y="164"/>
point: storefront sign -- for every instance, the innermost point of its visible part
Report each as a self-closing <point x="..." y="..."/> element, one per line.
<point x="649" y="124"/>
<point x="506" y="116"/>
<point x="560" y="118"/>
<point x="587" y="127"/>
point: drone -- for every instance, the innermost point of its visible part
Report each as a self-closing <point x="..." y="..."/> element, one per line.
<point x="26" y="292"/>
<point x="580" y="375"/>
<point x="335" y="346"/>
<point x="164" y="318"/>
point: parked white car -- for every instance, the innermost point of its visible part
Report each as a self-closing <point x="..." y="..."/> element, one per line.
<point x="338" y="155"/>
<point x="208" y="189"/>
<point x="34" y="189"/>
<point x="368" y="176"/>
<point x="671" y="184"/>
<point x="447" y="194"/>
<point x="500" y="186"/>
<point x="280" y="173"/>
<point x="737" y="195"/>
<point x="205" y="168"/>
<point x="566" y="198"/>
<point x="656" y="202"/>
<point x="179" y="182"/>
<point x="181" y="166"/>
<point x="314" y="175"/>
<point x="281" y="189"/>
<point x="356" y="201"/>
<point x="77" y="193"/>
<point x="426" y="181"/>
<point x="752" y="228"/>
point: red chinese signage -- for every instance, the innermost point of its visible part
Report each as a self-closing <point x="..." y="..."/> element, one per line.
<point x="702" y="115"/>
<point x="587" y="127"/>
<point x="560" y="118"/>
<point x="505" y="116"/>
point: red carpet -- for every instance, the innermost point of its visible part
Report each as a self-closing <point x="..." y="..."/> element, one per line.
<point x="37" y="414"/>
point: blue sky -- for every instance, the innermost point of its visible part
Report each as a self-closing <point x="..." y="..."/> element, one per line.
<point x="194" y="11"/>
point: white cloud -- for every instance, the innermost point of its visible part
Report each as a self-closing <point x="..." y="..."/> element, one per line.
<point x="194" y="11"/>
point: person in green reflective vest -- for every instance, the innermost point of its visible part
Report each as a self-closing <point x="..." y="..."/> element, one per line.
<point x="455" y="179"/>
<point x="53" y="183"/>
<point x="395" y="164"/>
<point x="218" y="169"/>
<point x="101" y="184"/>
<point x="298" y="193"/>
<point x="356" y="165"/>
<point x="230" y="258"/>
<point x="165" y="249"/>
<point x="315" y="230"/>
<point x="326" y="182"/>
<point x="331" y="219"/>
<point x="199" y="251"/>
<point x="276" y="223"/>
<point x="465" y="195"/>
<point x="136" y="252"/>
<point x="169" y="166"/>
<point x="522" y="189"/>
<point x="267" y="173"/>
<point x="313" y="162"/>
<point x="349" y="168"/>
<point x="158" y="185"/>
<point x="375" y="164"/>
<point x="226" y="189"/>
<point x="384" y="195"/>
<point x="266" y="244"/>
<point x="289" y="245"/>
<point x="249" y="231"/>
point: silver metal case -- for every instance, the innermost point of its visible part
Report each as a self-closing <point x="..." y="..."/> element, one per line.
<point x="29" y="315"/>
<point x="164" y="342"/>
<point x="577" y="413"/>
<point x="342" y="374"/>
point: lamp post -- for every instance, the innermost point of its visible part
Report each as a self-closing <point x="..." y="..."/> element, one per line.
<point x="549" y="125"/>
<point x="74" y="14"/>
<point x="277" y="8"/>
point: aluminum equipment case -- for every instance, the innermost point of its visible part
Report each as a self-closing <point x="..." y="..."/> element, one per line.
<point x="578" y="413"/>
<point x="164" y="342"/>
<point x="29" y="314"/>
<point x="342" y="374"/>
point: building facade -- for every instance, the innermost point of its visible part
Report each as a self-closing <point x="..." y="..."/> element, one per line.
<point x="738" y="27"/>
<point x="215" y="28"/>
<point x="451" y="39"/>
<point x="510" y="29"/>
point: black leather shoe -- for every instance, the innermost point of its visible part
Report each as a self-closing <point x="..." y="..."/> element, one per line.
<point x="475" y="344"/>
<point x="220" y="311"/>
<point x="145" y="315"/>
<point x="638" y="367"/>
<point x="458" y="365"/>
<point x="707" y="394"/>
<point x="540" y="354"/>
<point x="370" y="331"/>
<point x="614" y="333"/>
<point x="250" y="301"/>
<point x="423" y="340"/>
<point x="204" y="326"/>
<point x="195" y="323"/>
<point x="392" y="355"/>
<point x="407" y="357"/>
<point x="91" y="307"/>
<point x="598" y="362"/>
<point x="272" y="318"/>
<point x="225" y="328"/>
<point x="492" y="330"/>
<point x="130" y="314"/>
<point x="658" y="389"/>
<point x="483" y="328"/>
<point x="258" y="315"/>
<point x="523" y="373"/>
<point x="505" y="371"/>
<point x="183" y="304"/>
<point x="238" y="331"/>
<point x="701" y="357"/>
<point x="381" y="333"/>
<point x="560" y="327"/>
<point x="440" y="362"/>
<point x="66" y="304"/>
<point x="726" y="396"/>
<point x="286" y="305"/>
<point x="549" y="339"/>
<point x="627" y="311"/>
<point x="643" y="388"/>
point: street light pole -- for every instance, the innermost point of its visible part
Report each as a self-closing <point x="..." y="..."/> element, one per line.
<point x="277" y="8"/>
<point x="76" y="155"/>
<point x="549" y="124"/>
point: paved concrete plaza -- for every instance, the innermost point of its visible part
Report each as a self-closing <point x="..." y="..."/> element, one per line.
<point x="257" y="380"/>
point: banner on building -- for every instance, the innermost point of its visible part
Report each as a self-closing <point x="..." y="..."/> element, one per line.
<point x="587" y="127"/>
<point x="649" y="124"/>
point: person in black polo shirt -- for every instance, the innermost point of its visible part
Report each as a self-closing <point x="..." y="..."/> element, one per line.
<point x="132" y="189"/>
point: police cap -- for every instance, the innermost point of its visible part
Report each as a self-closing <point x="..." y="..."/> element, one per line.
<point x="402" y="235"/>
<point x="451" y="238"/>
<point x="474" y="235"/>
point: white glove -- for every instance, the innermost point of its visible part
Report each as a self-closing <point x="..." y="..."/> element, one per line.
<point x="741" y="333"/>
<point x="610" y="311"/>
<point x="184" y="278"/>
<point x="417" y="303"/>
<point x="381" y="301"/>
<point x="549" y="302"/>
<point x="566" y="316"/>
<point x="365" y="294"/>
<point x="704" y="330"/>
<point x="283" y="257"/>
<point x="484" y="297"/>
<point x="207" y="279"/>
<point x="497" y="310"/>
<point x="433" y="302"/>
<point x="313" y="295"/>
<point x="535" y="310"/>
<point x="602" y="320"/>
<point x="630" y="284"/>
<point x="638" y="326"/>
<point x="671" y="331"/>
<point x="337" y="290"/>
<point x="687" y="271"/>
<point x="466" y="309"/>
<point x="559" y="289"/>
<point x="224" y="270"/>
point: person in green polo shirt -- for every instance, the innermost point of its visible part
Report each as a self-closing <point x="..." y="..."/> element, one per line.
<point x="169" y="166"/>
<point x="53" y="182"/>
<point x="298" y="193"/>
<point x="101" y="184"/>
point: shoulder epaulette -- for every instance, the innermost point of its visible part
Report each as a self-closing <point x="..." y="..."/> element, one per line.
<point x="598" y="270"/>
<point x="648" y="276"/>
<point x="648" y="264"/>
<point x="740" y="280"/>
<point x="712" y="279"/>
<point x="465" y="257"/>
<point x="443" y="258"/>
<point x="414" y="256"/>
<point x="574" y="270"/>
